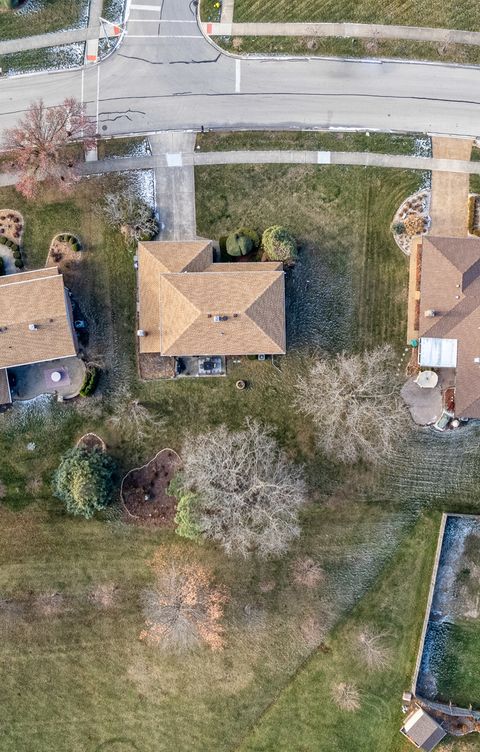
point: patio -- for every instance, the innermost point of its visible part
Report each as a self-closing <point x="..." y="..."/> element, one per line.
<point x="63" y="377"/>
<point x="425" y="405"/>
<point x="200" y="366"/>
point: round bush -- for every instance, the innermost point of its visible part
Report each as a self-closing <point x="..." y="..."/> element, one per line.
<point x="239" y="244"/>
<point x="278" y="244"/>
<point x="19" y="263"/>
<point x="84" y="481"/>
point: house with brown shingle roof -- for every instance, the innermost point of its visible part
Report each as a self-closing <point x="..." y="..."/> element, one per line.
<point x="190" y="306"/>
<point x="35" y="322"/>
<point x="447" y="317"/>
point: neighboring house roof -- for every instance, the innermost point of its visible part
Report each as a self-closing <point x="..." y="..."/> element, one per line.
<point x="36" y="297"/>
<point x="181" y="292"/>
<point x="5" y="395"/>
<point x="423" y="730"/>
<point x="450" y="288"/>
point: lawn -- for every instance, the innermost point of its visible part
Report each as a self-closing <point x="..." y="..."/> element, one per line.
<point x="352" y="47"/>
<point x="348" y="290"/>
<point x="305" y="717"/>
<point x="48" y="15"/>
<point x="457" y="671"/>
<point x="71" y="591"/>
<point x="45" y="58"/>
<point x="383" y="143"/>
<point x="446" y="14"/>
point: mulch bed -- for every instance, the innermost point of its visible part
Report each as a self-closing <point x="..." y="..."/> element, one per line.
<point x="11" y="225"/>
<point x="144" y="491"/>
<point x="91" y="441"/>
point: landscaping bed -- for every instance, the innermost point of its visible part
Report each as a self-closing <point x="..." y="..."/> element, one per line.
<point x="144" y="491"/>
<point x="64" y="248"/>
<point x="91" y="441"/>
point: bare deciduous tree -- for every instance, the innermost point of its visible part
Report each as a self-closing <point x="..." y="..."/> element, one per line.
<point x="184" y="609"/>
<point x="346" y="696"/>
<point x="372" y="648"/>
<point x="355" y="404"/>
<point x="247" y="492"/>
<point x="307" y="573"/>
<point x="132" y="419"/>
<point x="38" y="147"/>
<point x="133" y="217"/>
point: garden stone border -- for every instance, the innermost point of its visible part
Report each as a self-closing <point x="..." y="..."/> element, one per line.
<point x="142" y="467"/>
<point x="102" y="444"/>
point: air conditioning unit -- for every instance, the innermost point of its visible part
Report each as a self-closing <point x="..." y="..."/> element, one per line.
<point x="217" y="319"/>
<point x="141" y="333"/>
<point x="33" y="327"/>
<point x="430" y="313"/>
<point x="476" y="360"/>
<point x="261" y="357"/>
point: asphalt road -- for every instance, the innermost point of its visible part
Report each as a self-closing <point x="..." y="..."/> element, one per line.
<point x="166" y="75"/>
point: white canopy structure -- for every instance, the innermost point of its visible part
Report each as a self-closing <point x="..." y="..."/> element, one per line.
<point x="437" y="352"/>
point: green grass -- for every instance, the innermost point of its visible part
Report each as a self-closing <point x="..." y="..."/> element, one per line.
<point x="208" y="10"/>
<point x="121" y="147"/>
<point x="85" y="664"/>
<point x="382" y="143"/>
<point x="28" y="61"/>
<point x="458" y="677"/>
<point x="53" y="15"/>
<point x="446" y="14"/>
<point x="304" y="716"/>
<point x="352" y="48"/>
<point x="349" y="288"/>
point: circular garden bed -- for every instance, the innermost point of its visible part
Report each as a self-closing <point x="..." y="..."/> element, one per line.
<point x="144" y="491"/>
<point x="91" y="441"/>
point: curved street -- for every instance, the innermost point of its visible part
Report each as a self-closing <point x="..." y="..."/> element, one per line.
<point x="167" y="76"/>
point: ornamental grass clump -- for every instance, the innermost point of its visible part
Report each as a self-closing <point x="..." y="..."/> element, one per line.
<point x="279" y="244"/>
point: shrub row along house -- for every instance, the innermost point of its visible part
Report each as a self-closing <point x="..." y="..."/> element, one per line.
<point x="36" y="327"/>
<point x="190" y="307"/>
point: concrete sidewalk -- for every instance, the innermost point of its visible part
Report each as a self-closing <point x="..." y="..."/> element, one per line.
<point x="348" y="30"/>
<point x="173" y="153"/>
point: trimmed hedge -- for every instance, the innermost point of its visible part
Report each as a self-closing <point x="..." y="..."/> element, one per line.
<point x="9" y="243"/>
<point x="72" y="241"/>
<point x="90" y="382"/>
<point x="471" y="215"/>
<point x="242" y="242"/>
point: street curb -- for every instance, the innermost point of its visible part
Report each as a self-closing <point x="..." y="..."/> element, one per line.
<point x="372" y="61"/>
